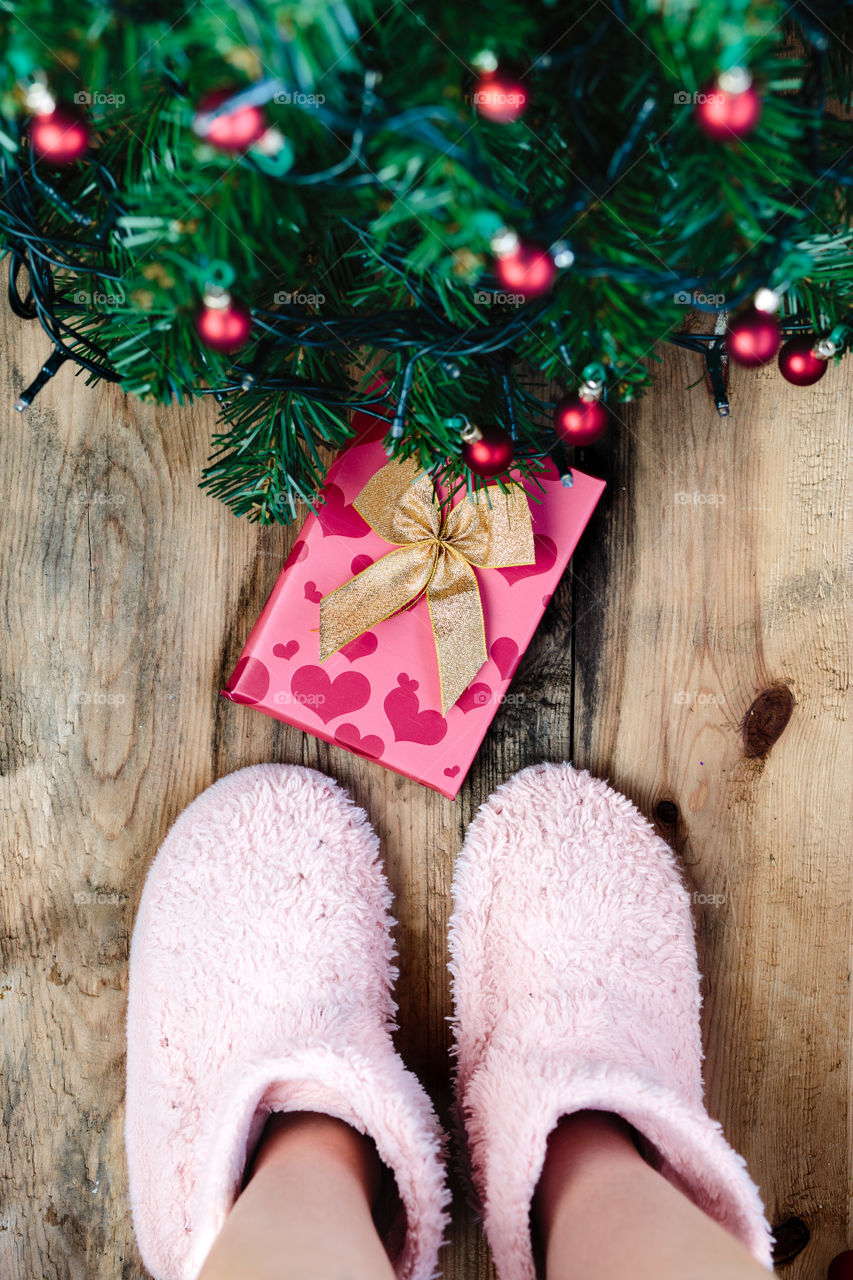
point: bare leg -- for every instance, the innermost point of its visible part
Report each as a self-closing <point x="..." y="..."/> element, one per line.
<point x="604" y="1213"/>
<point x="305" y="1213"/>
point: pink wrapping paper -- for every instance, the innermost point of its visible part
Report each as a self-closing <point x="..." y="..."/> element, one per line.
<point x="379" y="696"/>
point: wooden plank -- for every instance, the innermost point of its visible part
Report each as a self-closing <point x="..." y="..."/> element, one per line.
<point x="121" y="585"/>
<point x="715" y="571"/>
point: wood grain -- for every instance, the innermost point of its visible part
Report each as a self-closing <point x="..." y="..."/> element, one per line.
<point x="126" y="595"/>
<point x="713" y="574"/>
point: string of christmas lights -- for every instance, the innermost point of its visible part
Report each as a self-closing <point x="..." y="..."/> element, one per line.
<point x="452" y="235"/>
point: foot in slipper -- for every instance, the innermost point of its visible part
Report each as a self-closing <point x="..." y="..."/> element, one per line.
<point x="260" y="977"/>
<point x="576" y="988"/>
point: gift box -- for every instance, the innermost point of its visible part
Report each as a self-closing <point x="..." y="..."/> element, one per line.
<point x="390" y="692"/>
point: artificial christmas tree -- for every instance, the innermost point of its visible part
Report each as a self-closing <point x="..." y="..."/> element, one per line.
<point x="310" y="207"/>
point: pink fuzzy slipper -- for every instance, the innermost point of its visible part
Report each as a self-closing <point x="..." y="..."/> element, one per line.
<point x="575" y="987"/>
<point x="260" y="975"/>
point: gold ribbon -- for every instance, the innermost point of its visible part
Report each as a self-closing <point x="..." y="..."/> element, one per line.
<point x="435" y="552"/>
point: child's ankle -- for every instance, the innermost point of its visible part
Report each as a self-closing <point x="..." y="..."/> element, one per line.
<point x="314" y="1137"/>
<point x="579" y="1142"/>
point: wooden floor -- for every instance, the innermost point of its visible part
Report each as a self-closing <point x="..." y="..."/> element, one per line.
<point x="712" y="573"/>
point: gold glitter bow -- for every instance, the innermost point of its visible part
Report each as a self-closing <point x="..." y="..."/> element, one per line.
<point x="435" y="552"/>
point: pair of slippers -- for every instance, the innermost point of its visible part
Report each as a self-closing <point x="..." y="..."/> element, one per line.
<point x="260" y="981"/>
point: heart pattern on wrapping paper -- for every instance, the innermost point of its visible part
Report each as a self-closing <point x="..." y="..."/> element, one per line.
<point x="546" y="554"/>
<point x="297" y="552"/>
<point x="328" y="699"/>
<point x="249" y="681"/>
<point x="347" y="735"/>
<point x="340" y="517"/>
<point x="311" y="592"/>
<point x="409" y="723"/>
<point x="452" y="772"/>
<point x="504" y="653"/>
<point x="286" y="651"/>
<point x="361" y="647"/>
<point x="360" y="563"/>
<point x="476" y="695"/>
